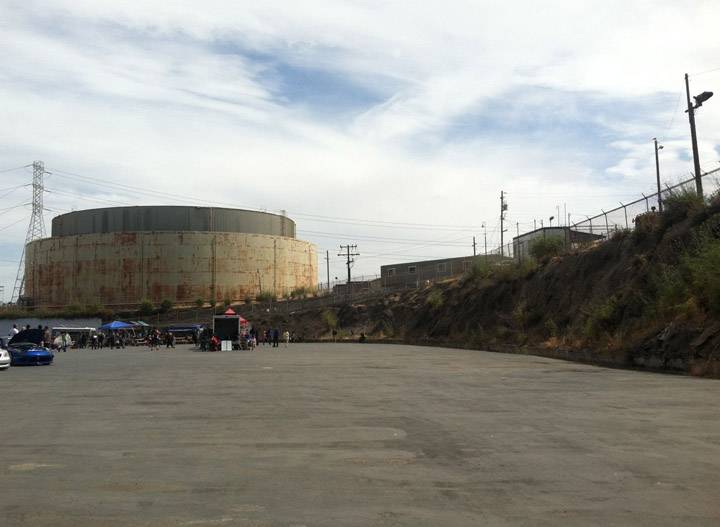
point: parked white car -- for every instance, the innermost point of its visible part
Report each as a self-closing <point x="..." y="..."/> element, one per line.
<point x="4" y="359"/>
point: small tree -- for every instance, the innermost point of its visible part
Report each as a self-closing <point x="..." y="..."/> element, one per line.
<point x="300" y="292"/>
<point x="166" y="305"/>
<point x="546" y="247"/>
<point x="199" y="303"/>
<point x="681" y="203"/>
<point x="92" y="309"/>
<point x="480" y="269"/>
<point x="330" y="319"/>
<point x="146" y="307"/>
<point x="265" y="296"/>
<point x="435" y="299"/>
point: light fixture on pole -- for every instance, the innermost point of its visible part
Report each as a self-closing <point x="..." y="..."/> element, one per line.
<point x="699" y="100"/>
<point x="551" y="218"/>
<point x="657" y="173"/>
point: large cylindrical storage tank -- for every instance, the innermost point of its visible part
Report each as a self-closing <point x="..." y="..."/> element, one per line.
<point x="124" y="255"/>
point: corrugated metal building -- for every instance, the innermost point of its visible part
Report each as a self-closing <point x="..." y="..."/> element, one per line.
<point x="522" y="243"/>
<point x="414" y="274"/>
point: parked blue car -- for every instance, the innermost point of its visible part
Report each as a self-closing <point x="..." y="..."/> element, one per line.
<point x="26" y="349"/>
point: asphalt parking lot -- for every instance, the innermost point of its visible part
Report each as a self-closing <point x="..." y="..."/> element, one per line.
<point x="350" y="434"/>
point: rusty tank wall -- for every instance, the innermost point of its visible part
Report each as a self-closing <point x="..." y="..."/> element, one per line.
<point x="123" y="268"/>
<point x="171" y="218"/>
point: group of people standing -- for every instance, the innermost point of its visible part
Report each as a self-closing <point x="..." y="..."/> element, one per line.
<point x="247" y="340"/>
<point x="62" y="340"/>
<point x="273" y="337"/>
<point x="155" y="337"/>
<point x="99" y="340"/>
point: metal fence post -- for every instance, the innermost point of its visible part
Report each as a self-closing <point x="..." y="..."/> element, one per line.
<point x="627" y="226"/>
<point x="669" y="193"/>
<point x="607" y="226"/>
<point x="647" y="205"/>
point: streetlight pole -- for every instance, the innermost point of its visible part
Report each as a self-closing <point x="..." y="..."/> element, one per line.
<point x="693" y="137"/>
<point x="657" y="173"/>
<point x="699" y="99"/>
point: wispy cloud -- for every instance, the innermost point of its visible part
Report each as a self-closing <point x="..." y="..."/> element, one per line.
<point x="400" y="111"/>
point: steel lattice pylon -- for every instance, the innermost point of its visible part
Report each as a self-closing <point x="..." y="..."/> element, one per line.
<point x="36" y="228"/>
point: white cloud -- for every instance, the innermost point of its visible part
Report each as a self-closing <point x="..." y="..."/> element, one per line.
<point x="173" y="98"/>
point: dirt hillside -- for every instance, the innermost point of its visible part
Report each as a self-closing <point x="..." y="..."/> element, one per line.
<point x="648" y="298"/>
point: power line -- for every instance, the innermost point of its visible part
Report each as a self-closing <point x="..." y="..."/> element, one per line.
<point x="91" y="198"/>
<point x="674" y="114"/>
<point x="14" y="188"/>
<point x="375" y="239"/>
<point x="11" y="169"/>
<point x="8" y="209"/>
<point x="307" y="216"/>
<point x="11" y="224"/>
<point x="412" y="257"/>
<point x="398" y="223"/>
<point x="401" y="251"/>
<point x="704" y="72"/>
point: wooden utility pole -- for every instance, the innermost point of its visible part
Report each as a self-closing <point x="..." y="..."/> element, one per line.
<point x="327" y="262"/>
<point x="349" y="253"/>
<point x="503" y="208"/>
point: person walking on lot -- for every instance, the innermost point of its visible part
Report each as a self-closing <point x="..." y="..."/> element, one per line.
<point x="286" y="338"/>
<point x="66" y="341"/>
<point x="47" y="337"/>
<point x="275" y="337"/>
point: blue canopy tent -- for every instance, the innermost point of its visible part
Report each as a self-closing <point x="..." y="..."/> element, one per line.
<point x="116" y="324"/>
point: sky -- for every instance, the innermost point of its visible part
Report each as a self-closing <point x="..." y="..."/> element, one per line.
<point x="391" y="125"/>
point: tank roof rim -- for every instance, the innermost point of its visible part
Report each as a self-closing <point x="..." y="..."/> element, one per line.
<point x="173" y="207"/>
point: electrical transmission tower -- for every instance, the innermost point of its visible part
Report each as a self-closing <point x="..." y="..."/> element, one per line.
<point x="36" y="228"/>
